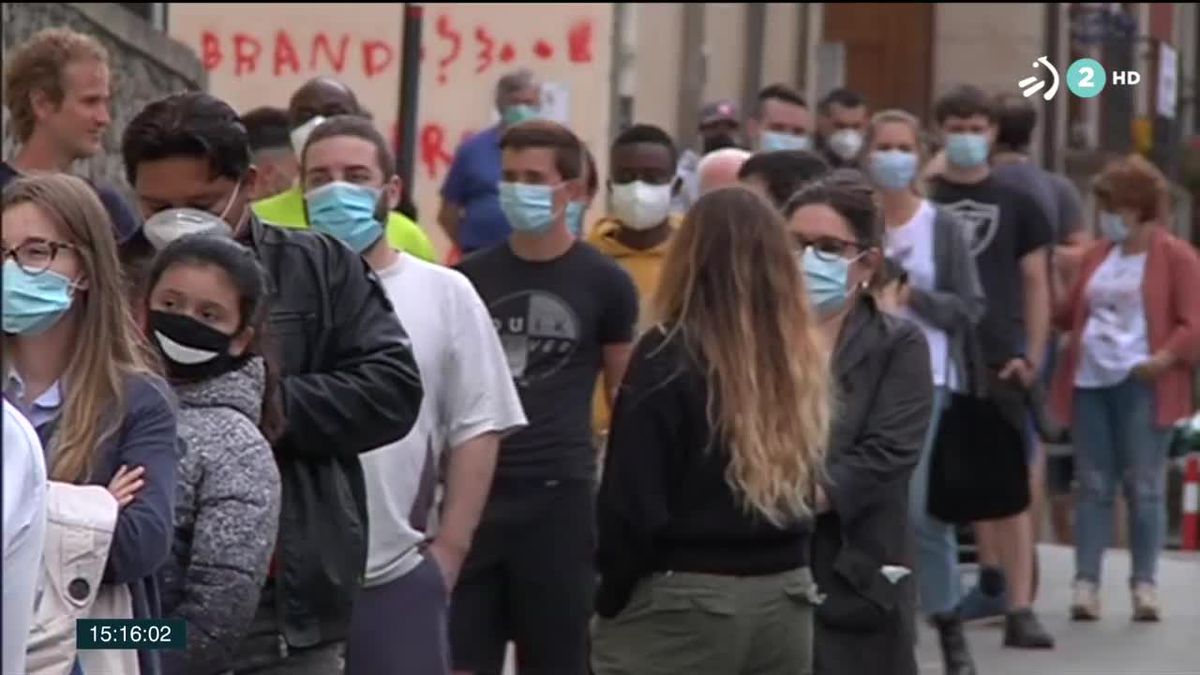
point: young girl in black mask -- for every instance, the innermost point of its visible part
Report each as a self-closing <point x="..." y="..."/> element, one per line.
<point x="206" y="308"/>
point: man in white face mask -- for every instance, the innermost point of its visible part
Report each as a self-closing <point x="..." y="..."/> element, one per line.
<point x="841" y="123"/>
<point x="639" y="226"/>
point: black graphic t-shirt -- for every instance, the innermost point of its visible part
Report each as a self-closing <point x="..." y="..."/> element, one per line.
<point x="1006" y="224"/>
<point x="553" y="319"/>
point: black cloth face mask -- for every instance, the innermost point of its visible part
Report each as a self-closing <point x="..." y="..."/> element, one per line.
<point x="192" y="350"/>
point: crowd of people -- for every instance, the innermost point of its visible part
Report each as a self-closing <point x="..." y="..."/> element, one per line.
<point x="734" y="426"/>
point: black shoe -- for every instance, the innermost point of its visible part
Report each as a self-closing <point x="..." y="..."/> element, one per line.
<point x="956" y="654"/>
<point x="1023" y="631"/>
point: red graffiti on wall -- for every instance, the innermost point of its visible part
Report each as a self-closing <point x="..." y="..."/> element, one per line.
<point x="447" y="32"/>
<point x="210" y="50"/>
<point x="285" y="54"/>
<point x="487" y="46"/>
<point x="433" y="149"/>
<point x="325" y="51"/>
<point x="321" y="42"/>
<point x="377" y="56"/>
<point x="246" y="52"/>
<point x="543" y="50"/>
<point x="579" y="42"/>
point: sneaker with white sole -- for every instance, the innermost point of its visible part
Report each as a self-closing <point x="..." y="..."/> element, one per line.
<point x="1145" y="602"/>
<point x="1085" y="603"/>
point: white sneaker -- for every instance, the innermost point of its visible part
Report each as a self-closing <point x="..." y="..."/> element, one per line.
<point x="1085" y="603"/>
<point x="1145" y="602"/>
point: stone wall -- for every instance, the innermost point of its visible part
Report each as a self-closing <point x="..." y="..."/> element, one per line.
<point x="146" y="65"/>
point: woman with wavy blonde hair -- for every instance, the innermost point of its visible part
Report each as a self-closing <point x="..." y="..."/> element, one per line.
<point x="83" y="375"/>
<point x="714" y="456"/>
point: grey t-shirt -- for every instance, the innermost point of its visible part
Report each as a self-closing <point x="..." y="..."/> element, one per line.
<point x="1055" y="194"/>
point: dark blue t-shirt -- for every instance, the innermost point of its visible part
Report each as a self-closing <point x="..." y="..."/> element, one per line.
<point x="473" y="183"/>
<point x="125" y="220"/>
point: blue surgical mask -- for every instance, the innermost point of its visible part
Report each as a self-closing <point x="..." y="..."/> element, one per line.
<point x="893" y="169"/>
<point x="515" y="114"/>
<point x="776" y="140"/>
<point x="1113" y="227"/>
<point x="825" y="281"/>
<point x="346" y="211"/>
<point x="34" y="302"/>
<point x="529" y="208"/>
<point x="966" y="151"/>
<point x="575" y="218"/>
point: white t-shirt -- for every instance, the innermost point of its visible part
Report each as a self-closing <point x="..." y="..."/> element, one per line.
<point x="1114" y="338"/>
<point x="911" y="245"/>
<point x="468" y="392"/>
<point x="24" y="532"/>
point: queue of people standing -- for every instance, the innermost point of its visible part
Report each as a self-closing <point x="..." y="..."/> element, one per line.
<point x="708" y="433"/>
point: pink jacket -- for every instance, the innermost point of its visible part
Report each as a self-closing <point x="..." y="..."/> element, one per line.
<point x="1171" y="290"/>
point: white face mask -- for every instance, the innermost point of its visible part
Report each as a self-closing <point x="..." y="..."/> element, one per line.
<point x="846" y="143"/>
<point x="168" y="225"/>
<point x="301" y="133"/>
<point x="641" y="206"/>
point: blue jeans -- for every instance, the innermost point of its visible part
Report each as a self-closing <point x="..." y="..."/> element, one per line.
<point x="938" y="581"/>
<point x="1118" y="442"/>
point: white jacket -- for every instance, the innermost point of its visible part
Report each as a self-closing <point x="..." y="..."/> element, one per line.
<point x="80" y="520"/>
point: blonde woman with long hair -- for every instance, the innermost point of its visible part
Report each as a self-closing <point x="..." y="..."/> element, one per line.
<point x="83" y="375"/>
<point x="715" y="453"/>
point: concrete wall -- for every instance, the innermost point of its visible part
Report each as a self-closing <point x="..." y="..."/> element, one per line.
<point x="991" y="45"/>
<point x="257" y="54"/>
<point x="724" y="40"/>
<point x="658" y="63"/>
<point x="146" y="65"/>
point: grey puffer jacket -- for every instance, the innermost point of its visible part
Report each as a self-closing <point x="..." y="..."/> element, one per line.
<point x="226" y="518"/>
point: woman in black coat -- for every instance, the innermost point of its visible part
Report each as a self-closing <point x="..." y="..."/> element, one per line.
<point x="862" y="552"/>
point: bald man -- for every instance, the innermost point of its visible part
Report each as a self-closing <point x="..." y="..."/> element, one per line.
<point x="314" y="101"/>
<point x="720" y="168"/>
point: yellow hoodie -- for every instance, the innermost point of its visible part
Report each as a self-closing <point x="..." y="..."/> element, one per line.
<point x="644" y="266"/>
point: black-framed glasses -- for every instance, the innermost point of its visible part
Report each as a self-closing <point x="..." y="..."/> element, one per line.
<point x="35" y="255"/>
<point x="827" y="248"/>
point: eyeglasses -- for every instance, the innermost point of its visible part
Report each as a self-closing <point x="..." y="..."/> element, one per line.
<point x="34" y="256"/>
<point x="827" y="248"/>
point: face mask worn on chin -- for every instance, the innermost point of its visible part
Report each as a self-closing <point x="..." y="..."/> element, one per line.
<point x="846" y="143"/>
<point x="825" y="281"/>
<point x="522" y="112"/>
<point x="575" y="211"/>
<point x="1113" y="227"/>
<point x="33" y="303"/>
<point x="893" y="169"/>
<point x="192" y="350"/>
<point x="775" y="140"/>
<point x="347" y="212"/>
<point x="641" y="206"/>
<point x="168" y="225"/>
<point x="967" y="151"/>
<point x="301" y="133"/>
<point x="528" y="208"/>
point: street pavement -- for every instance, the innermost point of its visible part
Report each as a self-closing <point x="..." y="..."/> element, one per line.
<point x="1112" y="646"/>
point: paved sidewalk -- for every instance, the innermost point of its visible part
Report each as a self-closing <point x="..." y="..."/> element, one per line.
<point x="1112" y="646"/>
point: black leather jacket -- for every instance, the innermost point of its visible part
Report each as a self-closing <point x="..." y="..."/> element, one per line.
<point x="350" y="384"/>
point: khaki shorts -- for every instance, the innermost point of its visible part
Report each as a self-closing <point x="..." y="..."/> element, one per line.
<point x="702" y="624"/>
